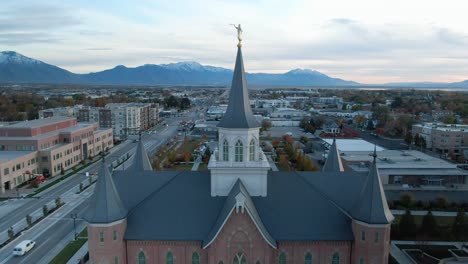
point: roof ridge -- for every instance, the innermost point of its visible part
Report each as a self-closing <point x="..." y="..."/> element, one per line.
<point x="326" y="197"/>
<point x="154" y="192"/>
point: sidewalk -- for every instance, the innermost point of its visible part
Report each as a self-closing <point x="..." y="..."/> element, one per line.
<point x="424" y="212"/>
<point x="272" y="164"/>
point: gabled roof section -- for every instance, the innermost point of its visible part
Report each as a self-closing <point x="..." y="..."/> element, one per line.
<point x="105" y="205"/>
<point x="333" y="162"/>
<point x="141" y="162"/>
<point x="238" y="199"/>
<point x="239" y="114"/>
<point x="372" y="206"/>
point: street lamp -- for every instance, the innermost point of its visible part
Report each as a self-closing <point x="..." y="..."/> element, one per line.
<point x="74" y="216"/>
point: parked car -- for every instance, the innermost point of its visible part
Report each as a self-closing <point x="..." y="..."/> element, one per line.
<point x="40" y="178"/>
<point x="23" y="247"/>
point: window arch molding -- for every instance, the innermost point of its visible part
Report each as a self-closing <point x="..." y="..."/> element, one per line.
<point x="169" y="257"/>
<point x="141" y="257"/>
<point x="225" y="149"/>
<point x="195" y="258"/>
<point x="252" y="149"/>
<point x="239" y="150"/>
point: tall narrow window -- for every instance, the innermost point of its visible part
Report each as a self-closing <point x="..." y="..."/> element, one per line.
<point x="195" y="258"/>
<point x="363" y="235"/>
<point x="116" y="235"/>
<point x="239" y="153"/>
<point x="141" y="258"/>
<point x="101" y="236"/>
<point x="282" y="258"/>
<point x="377" y="238"/>
<point x="116" y="260"/>
<point x="336" y="258"/>
<point x="252" y="150"/>
<point x="361" y="260"/>
<point x="239" y="259"/>
<point x="308" y="258"/>
<point x="169" y="258"/>
<point x="225" y="150"/>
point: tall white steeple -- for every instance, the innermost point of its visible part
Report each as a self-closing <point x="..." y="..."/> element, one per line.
<point x="238" y="155"/>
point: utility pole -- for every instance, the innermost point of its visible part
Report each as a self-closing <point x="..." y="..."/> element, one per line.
<point x="74" y="216"/>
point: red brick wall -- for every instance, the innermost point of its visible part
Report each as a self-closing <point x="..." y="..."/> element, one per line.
<point x="369" y="249"/>
<point x="107" y="251"/>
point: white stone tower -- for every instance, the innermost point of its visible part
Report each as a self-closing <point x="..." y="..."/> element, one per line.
<point x="239" y="155"/>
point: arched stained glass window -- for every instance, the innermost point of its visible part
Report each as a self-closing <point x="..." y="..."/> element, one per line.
<point x="308" y="258"/>
<point x="141" y="258"/>
<point x="239" y="153"/>
<point x="239" y="259"/>
<point x="225" y="150"/>
<point x="252" y="150"/>
<point x="195" y="258"/>
<point x="336" y="258"/>
<point x="282" y="258"/>
<point x="169" y="258"/>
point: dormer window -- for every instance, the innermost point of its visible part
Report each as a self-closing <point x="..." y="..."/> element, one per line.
<point x="239" y="152"/>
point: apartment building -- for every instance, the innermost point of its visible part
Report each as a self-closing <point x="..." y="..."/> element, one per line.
<point x="447" y="139"/>
<point x="123" y="118"/>
<point x="69" y="111"/>
<point x="47" y="146"/>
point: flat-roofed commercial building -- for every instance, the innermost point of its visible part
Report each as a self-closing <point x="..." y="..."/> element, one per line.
<point x="55" y="144"/>
<point x="409" y="167"/>
<point x="448" y="139"/>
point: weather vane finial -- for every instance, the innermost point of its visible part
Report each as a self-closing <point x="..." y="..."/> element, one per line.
<point x="239" y="34"/>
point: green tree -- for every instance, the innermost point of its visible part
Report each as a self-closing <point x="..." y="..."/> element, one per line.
<point x="417" y="140"/>
<point x="407" y="225"/>
<point x="460" y="226"/>
<point x="406" y="200"/>
<point x="381" y="114"/>
<point x="409" y="138"/>
<point x="266" y="124"/>
<point x="185" y="103"/>
<point x="370" y="125"/>
<point x="429" y="225"/>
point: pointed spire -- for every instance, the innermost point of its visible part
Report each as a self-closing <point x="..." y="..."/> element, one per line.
<point x="106" y="205"/>
<point x="372" y="206"/>
<point x="141" y="162"/>
<point x="239" y="114"/>
<point x="333" y="162"/>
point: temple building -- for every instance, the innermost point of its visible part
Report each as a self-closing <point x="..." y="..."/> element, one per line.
<point x="238" y="211"/>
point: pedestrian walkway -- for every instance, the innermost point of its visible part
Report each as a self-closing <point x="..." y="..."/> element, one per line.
<point x="424" y="212"/>
<point x="79" y="254"/>
<point x="272" y="164"/>
<point x="197" y="163"/>
<point x="398" y="255"/>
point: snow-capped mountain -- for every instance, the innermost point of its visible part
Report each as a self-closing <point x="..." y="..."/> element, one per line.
<point x="15" y="67"/>
<point x="16" y="58"/>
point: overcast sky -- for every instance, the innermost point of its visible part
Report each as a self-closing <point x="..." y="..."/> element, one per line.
<point x="369" y="41"/>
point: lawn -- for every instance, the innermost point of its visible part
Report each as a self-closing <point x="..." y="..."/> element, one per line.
<point x="69" y="250"/>
<point x="441" y="220"/>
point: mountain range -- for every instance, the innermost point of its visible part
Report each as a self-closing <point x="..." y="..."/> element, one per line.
<point x="16" y="68"/>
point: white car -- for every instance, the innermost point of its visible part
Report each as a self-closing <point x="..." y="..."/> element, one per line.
<point x="23" y="247"/>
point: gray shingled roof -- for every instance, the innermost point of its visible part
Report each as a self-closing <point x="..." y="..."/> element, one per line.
<point x="372" y="205"/>
<point x="178" y="206"/>
<point x="239" y="114"/>
<point x="105" y="205"/>
<point x="229" y="207"/>
<point x="141" y="161"/>
<point x="333" y="162"/>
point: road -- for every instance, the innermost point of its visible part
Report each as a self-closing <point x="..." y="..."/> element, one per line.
<point x="51" y="231"/>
